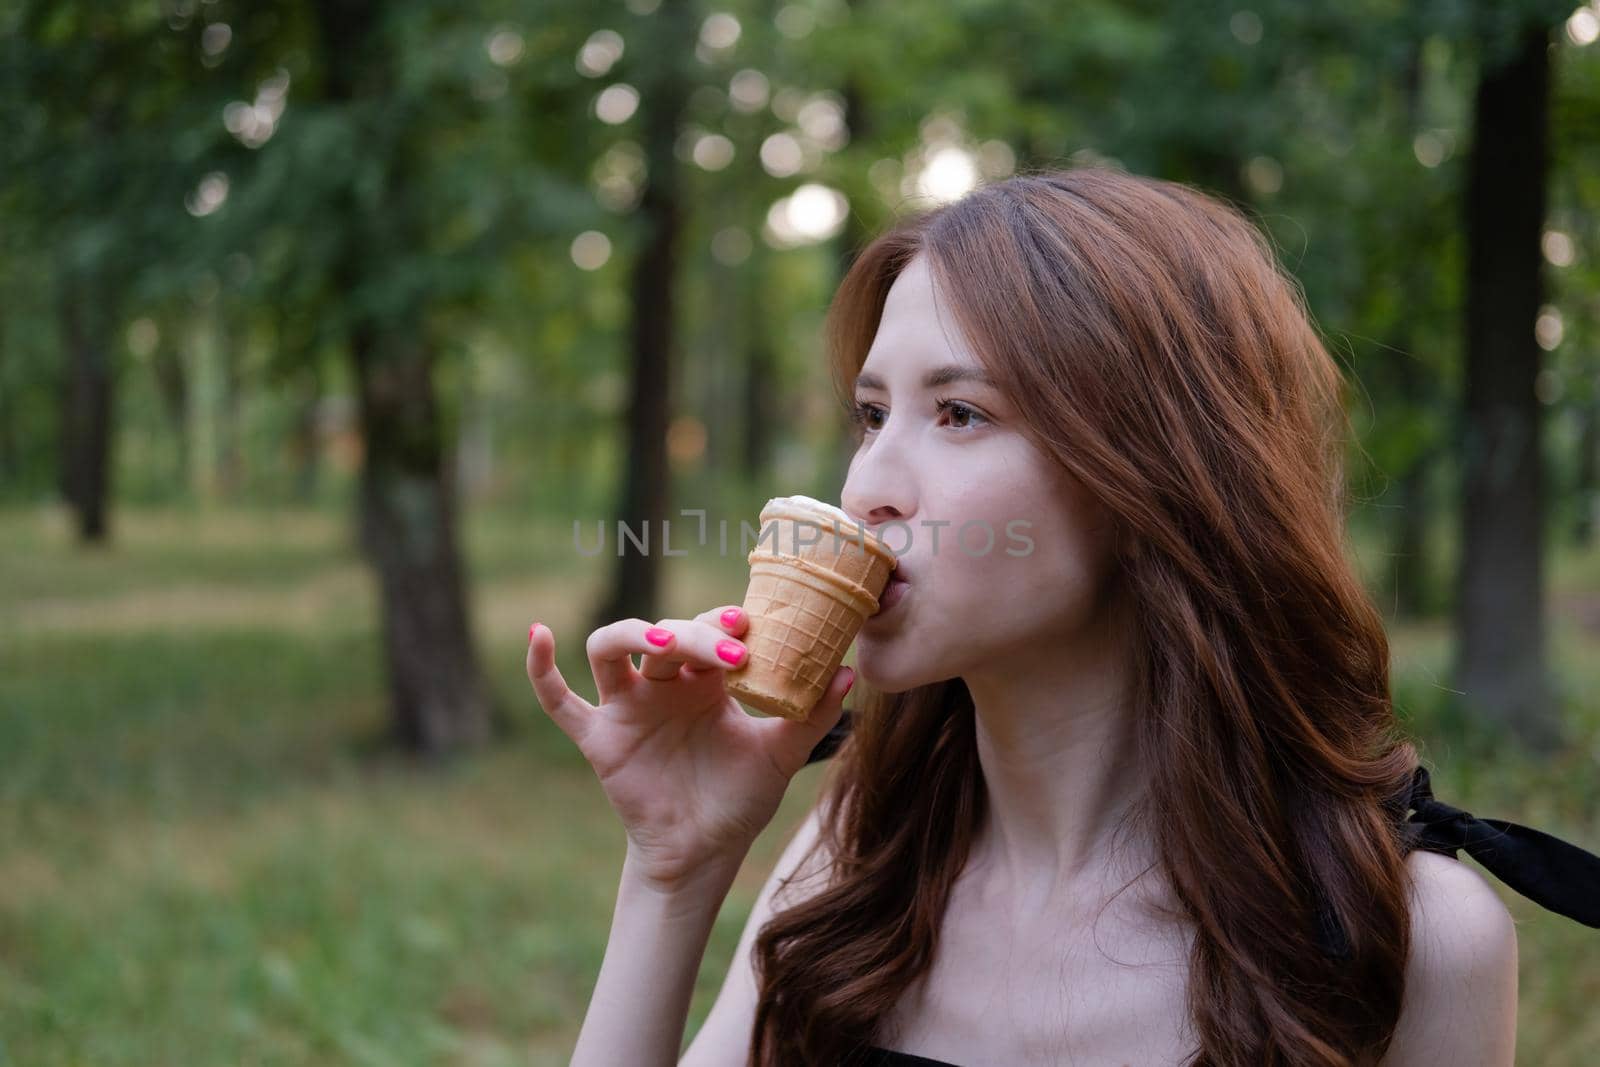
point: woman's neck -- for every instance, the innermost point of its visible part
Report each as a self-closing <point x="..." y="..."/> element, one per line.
<point x="1057" y="744"/>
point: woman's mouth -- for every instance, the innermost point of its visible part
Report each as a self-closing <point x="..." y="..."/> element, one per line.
<point x="893" y="593"/>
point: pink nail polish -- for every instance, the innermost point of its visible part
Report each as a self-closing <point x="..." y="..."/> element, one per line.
<point x="730" y="618"/>
<point x="848" y="682"/>
<point x="532" y="628"/>
<point x="658" y="636"/>
<point x="730" y="651"/>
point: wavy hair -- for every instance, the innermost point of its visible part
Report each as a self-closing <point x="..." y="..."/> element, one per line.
<point x="1158" y="351"/>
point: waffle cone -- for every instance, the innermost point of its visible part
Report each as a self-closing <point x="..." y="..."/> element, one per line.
<point x="809" y="592"/>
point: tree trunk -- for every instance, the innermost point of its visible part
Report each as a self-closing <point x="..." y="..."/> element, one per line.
<point x="172" y="383"/>
<point x="10" y="453"/>
<point x="1409" y="532"/>
<point x="1411" y="599"/>
<point x="647" y="490"/>
<point x="1587" y="479"/>
<point x="757" y="384"/>
<point x="716" y="344"/>
<point x="305" y="442"/>
<point x="438" y="698"/>
<point x="852" y="239"/>
<point x="1500" y="625"/>
<point x="229" y="457"/>
<point x="407" y="512"/>
<point x="85" y="473"/>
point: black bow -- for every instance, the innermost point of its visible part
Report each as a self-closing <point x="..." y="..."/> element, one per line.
<point x="1555" y="874"/>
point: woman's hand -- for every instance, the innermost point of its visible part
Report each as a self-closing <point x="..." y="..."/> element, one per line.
<point x="692" y="775"/>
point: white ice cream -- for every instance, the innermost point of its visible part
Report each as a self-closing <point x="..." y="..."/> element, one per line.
<point x="828" y="515"/>
<point x="806" y="501"/>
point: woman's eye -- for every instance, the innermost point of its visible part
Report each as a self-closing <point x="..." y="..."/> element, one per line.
<point x="863" y="413"/>
<point x="961" y="415"/>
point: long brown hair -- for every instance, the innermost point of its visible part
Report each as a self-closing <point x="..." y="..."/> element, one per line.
<point x="1164" y="357"/>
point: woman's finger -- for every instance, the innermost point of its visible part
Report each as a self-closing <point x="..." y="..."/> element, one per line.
<point x="731" y="617"/>
<point x="792" y="741"/>
<point x="698" y="644"/>
<point x="662" y="666"/>
<point x="611" y="649"/>
<point x="666" y="666"/>
<point x="732" y="620"/>
<point x="569" y="711"/>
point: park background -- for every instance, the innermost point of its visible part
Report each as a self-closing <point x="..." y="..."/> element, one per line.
<point x="321" y="321"/>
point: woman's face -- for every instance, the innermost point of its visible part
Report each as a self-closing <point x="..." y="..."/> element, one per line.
<point x="1003" y="552"/>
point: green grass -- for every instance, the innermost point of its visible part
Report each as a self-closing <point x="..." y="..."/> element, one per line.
<point x="205" y="858"/>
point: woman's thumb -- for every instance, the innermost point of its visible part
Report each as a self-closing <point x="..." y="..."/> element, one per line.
<point x="794" y="740"/>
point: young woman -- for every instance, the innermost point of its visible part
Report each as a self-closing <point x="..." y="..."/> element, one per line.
<point x="1132" y="794"/>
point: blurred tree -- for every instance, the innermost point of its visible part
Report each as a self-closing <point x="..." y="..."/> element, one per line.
<point x="854" y="236"/>
<point x="1396" y="268"/>
<point x="377" y="236"/>
<point x="10" y="449"/>
<point x="438" y="696"/>
<point x="1407" y="282"/>
<point x="306" y="438"/>
<point x="1500" y="624"/>
<point x="1572" y="247"/>
<point x="88" y="333"/>
<point x="73" y="177"/>
<point x="758" y="405"/>
<point x="653" y="290"/>
<point x="101" y="219"/>
<point x="173" y="384"/>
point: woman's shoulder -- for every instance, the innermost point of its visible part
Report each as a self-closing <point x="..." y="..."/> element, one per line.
<point x="1460" y="1001"/>
<point x="1454" y="907"/>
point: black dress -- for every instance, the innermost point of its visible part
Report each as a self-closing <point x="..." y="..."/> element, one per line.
<point x="1555" y="874"/>
<point x="885" y="1057"/>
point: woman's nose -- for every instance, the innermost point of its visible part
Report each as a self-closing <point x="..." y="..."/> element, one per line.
<point x="878" y="489"/>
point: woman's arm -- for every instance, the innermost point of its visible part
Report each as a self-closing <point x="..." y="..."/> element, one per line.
<point x="694" y="779"/>
<point x="724" y="1037"/>
<point x="658" y="937"/>
<point x="1460" y="1005"/>
<point x="658" y="940"/>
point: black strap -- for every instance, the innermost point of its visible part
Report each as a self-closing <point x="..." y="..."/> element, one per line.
<point x="1555" y="874"/>
<point x="832" y="739"/>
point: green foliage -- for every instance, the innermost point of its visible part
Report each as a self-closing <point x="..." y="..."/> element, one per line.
<point x="457" y="182"/>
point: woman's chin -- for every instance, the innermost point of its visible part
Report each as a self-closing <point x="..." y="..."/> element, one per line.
<point x="878" y="666"/>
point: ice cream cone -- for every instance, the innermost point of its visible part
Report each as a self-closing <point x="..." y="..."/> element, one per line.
<point x="810" y="590"/>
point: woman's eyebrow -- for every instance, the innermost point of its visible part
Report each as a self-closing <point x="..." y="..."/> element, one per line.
<point x="945" y="375"/>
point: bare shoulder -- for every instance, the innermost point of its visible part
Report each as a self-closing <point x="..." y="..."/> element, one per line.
<point x="1460" y="1004"/>
<point x="724" y="1037"/>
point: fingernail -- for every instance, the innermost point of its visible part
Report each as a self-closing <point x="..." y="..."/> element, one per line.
<point x="730" y="651"/>
<point x="532" y="628"/>
<point x="848" y="682"/>
<point x="658" y="636"/>
<point x="730" y="617"/>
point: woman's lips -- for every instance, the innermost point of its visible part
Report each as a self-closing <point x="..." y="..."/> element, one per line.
<point x="893" y="593"/>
